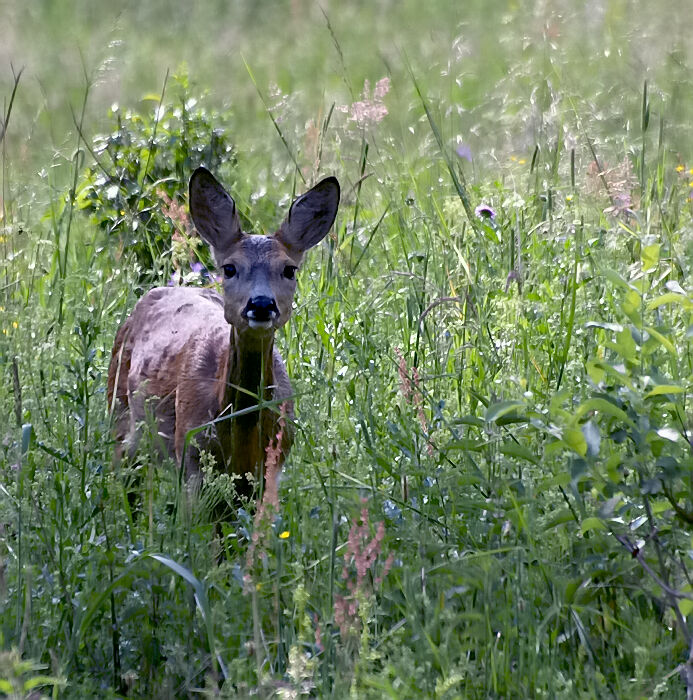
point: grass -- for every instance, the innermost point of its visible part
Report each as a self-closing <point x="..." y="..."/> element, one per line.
<point x="509" y="395"/>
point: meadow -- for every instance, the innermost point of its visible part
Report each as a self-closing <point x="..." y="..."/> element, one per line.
<point x="490" y="494"/>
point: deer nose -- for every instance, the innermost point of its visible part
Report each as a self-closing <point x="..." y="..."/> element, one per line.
<point x="261" y="309"/>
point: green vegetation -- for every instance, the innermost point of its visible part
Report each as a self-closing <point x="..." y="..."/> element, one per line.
<point x="491" y="489"/>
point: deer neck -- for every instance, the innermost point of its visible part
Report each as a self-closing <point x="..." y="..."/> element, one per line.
<point x="249" y="376"/>
<point x="249" y="373"/>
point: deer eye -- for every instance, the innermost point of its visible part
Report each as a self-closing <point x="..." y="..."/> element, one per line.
<point x="290" y="272"/>
<point x="229" y="271"/>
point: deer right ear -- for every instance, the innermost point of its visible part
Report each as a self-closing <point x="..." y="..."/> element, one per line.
<point x="311" y="216"/>
<point x="214" y="213"/>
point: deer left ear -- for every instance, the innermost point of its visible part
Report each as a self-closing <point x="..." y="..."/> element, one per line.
<point x="311" y="216"/>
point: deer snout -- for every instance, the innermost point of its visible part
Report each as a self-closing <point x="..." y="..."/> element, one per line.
<point x="261" y="312"/>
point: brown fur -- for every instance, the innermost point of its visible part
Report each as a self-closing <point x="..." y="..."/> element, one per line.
<point x="177" y="357"/>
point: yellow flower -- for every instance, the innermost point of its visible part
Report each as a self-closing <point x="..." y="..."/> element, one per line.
<point x="690" y="172"/>
<point x="284" y="535"/>
<point x="569" y="198"/>
<point x="16" y="325"/>
<point x="679" y="168"/>
<point x="513" y="158"/>
<point x="690" y="184"/>
<point x="522" y="161"/>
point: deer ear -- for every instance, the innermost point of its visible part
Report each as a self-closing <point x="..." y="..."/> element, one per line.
<point x="213" y="212"/>
<point x="311" y="216"/>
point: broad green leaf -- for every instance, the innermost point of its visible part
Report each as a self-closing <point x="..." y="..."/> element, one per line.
<point x="669" y="347"/>
<point x="618" y="374"/>
<point x="665" y="389"/>
<point x="625" y="345"/>
<point x="631" y="304"/>
<point x="592" y="524"/>
<point x="615" y="278"/>
<point x="496" y="410"/>
<point x="38" y="681"/>
<point x="649" y="256"/>
<point x="685" y="606"/>
<point x="595" y="371"/>
<point x="574" y="438"/>
<point x="603" y="406"/>
<point x="512" y="449"/>
<point x="469" y="420"/>
<point x="467" y="445"/>
<point x="560" y="518"/>
<point x="670" y="298"/>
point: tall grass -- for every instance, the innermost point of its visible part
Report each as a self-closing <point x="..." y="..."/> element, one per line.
<point x="490" y="492"/>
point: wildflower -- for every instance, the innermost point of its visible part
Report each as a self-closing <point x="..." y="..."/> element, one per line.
<point x="197" y="267"/>
<point x="463" y="151"/>
<point x="284" y="535"/>
<point x="362" y="553"/>
<point x="522" y="161"/>
<point x="270" y="498"/>
<point x="174" y="211"/>
<point x="175" y="279"/>
<point x="370" y="109"/>
<point x="484" y="211"/>
<point x="569" y="198"/>
<point x="415" y="399"/>
<point x="15" y="324"/>
<point x="679" y="168"/>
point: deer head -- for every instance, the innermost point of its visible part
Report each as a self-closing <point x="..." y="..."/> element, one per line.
<point x="259" y="271"/>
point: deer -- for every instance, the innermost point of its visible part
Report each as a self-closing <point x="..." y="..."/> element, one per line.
<point x="189" y="356"/>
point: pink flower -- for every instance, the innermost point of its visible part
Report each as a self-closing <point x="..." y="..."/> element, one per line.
<point x="370" y="110"/>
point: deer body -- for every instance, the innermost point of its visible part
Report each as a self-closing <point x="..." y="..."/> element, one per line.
<point x="190" y="356"/>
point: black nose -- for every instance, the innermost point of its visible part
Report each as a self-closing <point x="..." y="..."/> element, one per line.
<point x="261" y="309"/>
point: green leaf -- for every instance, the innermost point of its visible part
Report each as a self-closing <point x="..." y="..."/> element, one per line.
<point x="649" y="256"/>
<point x="668" y="346"/>
<point x="590" y="524"/>
<point x="603" y="406"/>
<point x="670" y="298"/>
<point x="625" y="345"/>
<point x="615" y="278"/>
<point x="595" y="371"/>
<point x="512" y="449"/>
<point x="497" y="410"/>
<point x="37" y="681"/>
<point x="685" y="606"/>
<point x="631" y="305"/>
<point x="574" y="439"/>
<point x="560" y="518"/>
<point x="665" y="389"/>
<point x="469" y="420"/>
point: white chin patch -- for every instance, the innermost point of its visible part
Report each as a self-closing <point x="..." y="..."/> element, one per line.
<point x="265" y="325"/>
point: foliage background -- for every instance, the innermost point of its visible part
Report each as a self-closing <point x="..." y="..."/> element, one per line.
<point x="509" y="395"/>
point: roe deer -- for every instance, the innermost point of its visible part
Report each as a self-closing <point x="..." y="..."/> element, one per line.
<point x="178" y="357"/>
